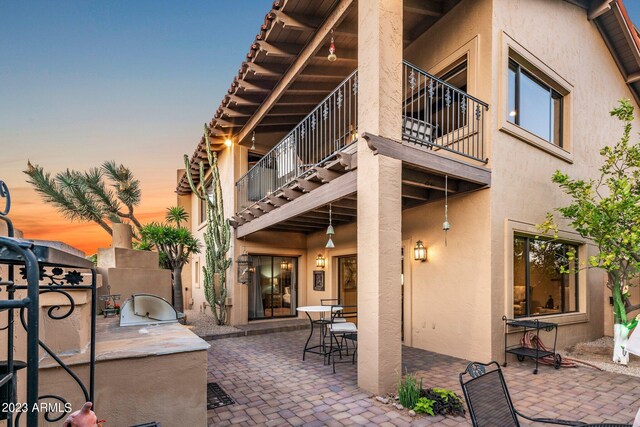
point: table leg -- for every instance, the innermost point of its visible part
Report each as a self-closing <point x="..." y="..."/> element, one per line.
<point x="304" y="352"/>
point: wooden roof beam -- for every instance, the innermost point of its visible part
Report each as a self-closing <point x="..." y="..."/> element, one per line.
<point x="241" y="100"/>
<point x="599" y="9"/>
<point x="632" y="78"/>
<point x="297" y="21"/>
<point x="302" y="59"/>
<point x="260" y="86"/>
<point x="279" y="50"/>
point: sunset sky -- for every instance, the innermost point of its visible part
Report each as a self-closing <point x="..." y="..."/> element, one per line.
<point x="82" y="82"/>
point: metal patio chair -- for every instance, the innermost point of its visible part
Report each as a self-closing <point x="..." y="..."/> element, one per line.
<point x="488" y="399"/>
<point x="343" y="330"/>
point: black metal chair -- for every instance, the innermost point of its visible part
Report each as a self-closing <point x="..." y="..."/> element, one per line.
<point x="343" y="330"/>
<point x="488" y="399"/>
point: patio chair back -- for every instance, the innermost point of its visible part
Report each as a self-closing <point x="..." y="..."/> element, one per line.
<point x="330" y="301"/>
<point x="487" y="396"/>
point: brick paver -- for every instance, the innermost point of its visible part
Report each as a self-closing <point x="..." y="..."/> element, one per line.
<point x="272" y="386"/>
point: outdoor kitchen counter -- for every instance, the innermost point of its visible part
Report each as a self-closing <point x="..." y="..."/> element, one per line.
<point x="126" y="342"/>
<point x="143" y="374"/>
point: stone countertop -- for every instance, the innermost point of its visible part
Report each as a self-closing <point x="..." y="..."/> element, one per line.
<point x="116" y="342"/>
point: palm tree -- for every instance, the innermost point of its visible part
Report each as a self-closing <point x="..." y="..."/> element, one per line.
<point x="175" y="244"/>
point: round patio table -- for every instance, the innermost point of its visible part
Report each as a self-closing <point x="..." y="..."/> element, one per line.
<point x="321" y="348"/>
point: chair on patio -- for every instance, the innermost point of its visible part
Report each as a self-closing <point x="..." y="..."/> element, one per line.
<point x="335" y="303"/>
<point x="488" y="399"/>
<point x="343" y="330"/>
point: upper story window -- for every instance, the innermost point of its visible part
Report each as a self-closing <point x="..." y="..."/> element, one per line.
<point x="539" y="285"/>
<point x="533" y="105"/>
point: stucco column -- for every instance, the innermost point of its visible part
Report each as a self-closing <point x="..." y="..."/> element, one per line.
<point x="379" y="195"/>
<point x="122" y="235"/>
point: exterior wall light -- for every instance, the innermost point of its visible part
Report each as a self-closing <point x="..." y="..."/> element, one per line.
<point x="284" y="265"/>
<point x="320" y="261"/>
<point x="420" y="252"/>
<point x="228" y="142"/>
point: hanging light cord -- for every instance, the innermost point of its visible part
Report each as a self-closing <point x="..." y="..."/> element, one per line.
<point x="446" y="224"/>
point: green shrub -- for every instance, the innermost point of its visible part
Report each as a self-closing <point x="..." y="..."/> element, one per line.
<point x="445" y="402"/>
<point x="409" y="390"/>
<point x="424" y="406"/>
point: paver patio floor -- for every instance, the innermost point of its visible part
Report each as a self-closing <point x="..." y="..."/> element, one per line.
<point x="272" y="386"/>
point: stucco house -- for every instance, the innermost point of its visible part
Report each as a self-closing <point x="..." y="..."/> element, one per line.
<point x="431" y="112"/>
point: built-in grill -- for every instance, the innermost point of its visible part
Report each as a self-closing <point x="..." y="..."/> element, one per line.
<point x="147" y="309"/>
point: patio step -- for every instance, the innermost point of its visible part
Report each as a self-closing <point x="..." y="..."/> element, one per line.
<point x="262" y="328"/>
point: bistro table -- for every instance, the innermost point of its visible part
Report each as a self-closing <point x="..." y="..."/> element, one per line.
<point x="321" y="348"/>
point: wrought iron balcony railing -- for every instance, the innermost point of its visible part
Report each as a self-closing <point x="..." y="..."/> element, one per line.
<point x="331" y="126"/>
<point x="440" y="116"/>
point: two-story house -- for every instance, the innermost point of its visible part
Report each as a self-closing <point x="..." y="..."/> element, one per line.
<point x="431" y="123"/>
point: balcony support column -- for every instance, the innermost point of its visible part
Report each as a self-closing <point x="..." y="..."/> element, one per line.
<point x="379" y="195"/>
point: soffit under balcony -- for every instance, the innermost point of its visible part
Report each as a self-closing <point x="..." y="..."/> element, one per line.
<point x="304" y="205"/>
<point x="288" y="30"/>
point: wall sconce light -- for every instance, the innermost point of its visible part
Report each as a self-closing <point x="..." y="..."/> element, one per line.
<point x="228" y="142"/>
<point x="320" y="261"/>
<point x="420" y="252"/>
<point x="284" y="265"/>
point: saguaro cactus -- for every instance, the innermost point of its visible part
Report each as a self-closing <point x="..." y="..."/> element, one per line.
<point x="217" y="236"/>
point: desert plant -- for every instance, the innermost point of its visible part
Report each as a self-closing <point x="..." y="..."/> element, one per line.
<point x="409" y="390"/>
<point x="175" y="244"/>
<point x="103" y="195"/>
<point x="217" y="236"/>
<point x="606" y="210"/>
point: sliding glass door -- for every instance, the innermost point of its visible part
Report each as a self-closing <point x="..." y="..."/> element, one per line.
<point x="273" y="289"/>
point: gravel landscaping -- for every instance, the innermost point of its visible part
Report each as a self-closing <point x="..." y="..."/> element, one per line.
<point x="599" y="353"/>
<point x="202" y="324"/>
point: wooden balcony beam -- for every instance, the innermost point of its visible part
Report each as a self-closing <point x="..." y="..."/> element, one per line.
<point x="326" y="175"/>
<point x="423" y="180"/>
<point x="266" y="207"/>
<point x="291" y="194"/>
<point x="307" y="186"/>
<point x="336" y="189"/>
<point x="428" y="160"/>
<point x="414" y="192"/>
<point x="276" y="201"/>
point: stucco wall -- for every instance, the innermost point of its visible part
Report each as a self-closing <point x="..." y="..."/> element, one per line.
<point x="227" y="161"/>
<point x="170" y="389"/>
<point x="450" y="304"/>
<point x="559" y="36"/>
<point x="448" y="298"/>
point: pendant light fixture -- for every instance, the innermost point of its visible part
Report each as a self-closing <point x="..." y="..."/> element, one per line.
<point x="330" y="232"/>
<point x="332" y="49"/>
<point x="446" y="226"/>
<point x="253" y="140"/>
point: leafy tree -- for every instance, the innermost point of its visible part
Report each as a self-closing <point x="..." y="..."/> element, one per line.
<point x="175" y="244"/>
<point x="607" y="211"/>
<point x="104" y="195"/>
<point x="217" y="236"/>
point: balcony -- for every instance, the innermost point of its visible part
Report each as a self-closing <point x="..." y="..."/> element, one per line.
<point x="439" y="121"/>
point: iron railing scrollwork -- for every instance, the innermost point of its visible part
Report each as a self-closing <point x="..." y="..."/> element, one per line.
<point x="331" y="126"/>
<point x="440" y="116"/>
<point x="38" y="276"/>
